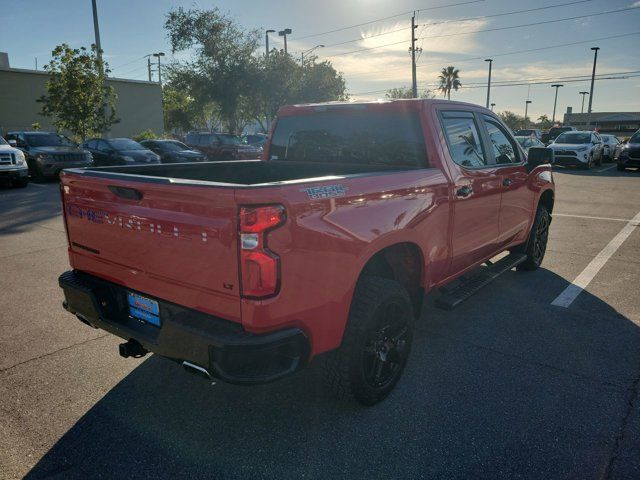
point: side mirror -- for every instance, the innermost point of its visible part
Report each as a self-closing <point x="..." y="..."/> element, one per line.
<point x="539" y="156"/>
<point x="13" y="143"/>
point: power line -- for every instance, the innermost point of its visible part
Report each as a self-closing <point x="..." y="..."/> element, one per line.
<point x="128" y="63"/>
<point x="585" y="77"/>
<point x="490" y="30"/>
<point x="388" y="18"/>
<point x="460" y="20"/>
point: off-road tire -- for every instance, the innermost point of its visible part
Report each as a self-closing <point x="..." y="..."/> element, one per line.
<point x="349" y="369"/>
<point x="536" y="245"/>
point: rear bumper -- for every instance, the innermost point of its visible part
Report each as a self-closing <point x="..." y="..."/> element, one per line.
<point x="222" y="347"/>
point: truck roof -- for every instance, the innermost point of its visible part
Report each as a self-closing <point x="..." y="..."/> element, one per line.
<point x="383" y="104"/>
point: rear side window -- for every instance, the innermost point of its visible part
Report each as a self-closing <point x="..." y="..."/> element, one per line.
<point x="368" y="138"/>
<point x="504" y="149"/>
<point x="463" y="139"/>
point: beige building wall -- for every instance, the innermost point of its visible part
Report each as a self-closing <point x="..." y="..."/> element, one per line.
<point x="139" y="104"/>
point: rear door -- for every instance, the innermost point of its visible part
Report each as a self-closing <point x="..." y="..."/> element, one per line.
<point x="476" y="190"/>
<point x="176" y="242"/>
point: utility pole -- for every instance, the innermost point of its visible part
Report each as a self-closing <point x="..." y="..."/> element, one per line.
<point x="490" y="60"/>
<point x="593" y="77"/>
<point x="302" y="54"/>
<point x="266" y="41"/>
<point x="556" y="86"/>
<point x="159" y="54"/>
<point x="526" y="110"/>
<point x="96" y="30"/>
<point x="284" y="33"/>
<point x="414" y="80"/>
<point x="583" y="94"/>
<point x="36" y="63"/>
<point x="149" y="66"/>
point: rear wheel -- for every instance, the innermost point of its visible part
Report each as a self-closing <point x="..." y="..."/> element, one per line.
<point x="376" y="342"/>
<point x="536" y="245"/>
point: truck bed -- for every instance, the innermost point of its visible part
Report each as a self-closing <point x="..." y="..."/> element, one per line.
<point x="234" y="174"/>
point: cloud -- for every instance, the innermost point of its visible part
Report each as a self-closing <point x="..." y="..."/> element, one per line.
<point x="636" y="4"/>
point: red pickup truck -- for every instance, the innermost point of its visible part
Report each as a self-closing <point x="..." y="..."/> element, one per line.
<point x="245" y="271"/>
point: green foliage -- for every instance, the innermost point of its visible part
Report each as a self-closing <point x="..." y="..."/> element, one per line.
<point x="449" y="80"/>
<point x="406" y="92"/>
<point x="36" y="126"/>
<point x="513" y="120"/>
<point x="544" y="123"/>
<point x="145" y="135"/>
<point x="78" y="99"/>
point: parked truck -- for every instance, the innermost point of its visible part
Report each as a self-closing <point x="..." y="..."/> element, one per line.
<point x="246" y="271"/>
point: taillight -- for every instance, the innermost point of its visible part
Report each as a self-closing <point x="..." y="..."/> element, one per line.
<point x="259" y="267"/>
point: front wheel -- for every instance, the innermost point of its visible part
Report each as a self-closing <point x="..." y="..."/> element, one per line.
<point x="376" y="342"/>
<point x="536" y="245"/>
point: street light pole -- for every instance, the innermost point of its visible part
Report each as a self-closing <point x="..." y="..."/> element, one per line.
<point x="526" y="110"/>
<point x="159" y="54"/>
<point x="266" y="41"/>
<point x="583" y="94"/>
<point x="492" y="105"/>
<point x="593" y="77"/>
<point x="308" y="51"/>
<point x="556" y="86"/>
<point x="490" y="60"/>
<point x="284" y="33"/>
<point x="96" y="31"/>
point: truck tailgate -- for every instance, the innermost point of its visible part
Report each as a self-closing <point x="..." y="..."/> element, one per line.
<point x="171" y="241"/>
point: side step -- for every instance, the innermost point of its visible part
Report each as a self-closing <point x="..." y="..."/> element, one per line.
<point x="452" y="297"/>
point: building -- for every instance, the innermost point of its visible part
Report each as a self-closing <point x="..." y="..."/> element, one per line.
<point x="622" y="124"/>
<point x="139" y="103"/>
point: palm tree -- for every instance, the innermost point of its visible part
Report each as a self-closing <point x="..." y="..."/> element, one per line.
<point x="449" y="79"/>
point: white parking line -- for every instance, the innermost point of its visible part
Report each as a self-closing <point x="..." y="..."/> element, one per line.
<point x="570" y="293"/>
<point x="606" y="168"/>
<point x="612" y="219"/>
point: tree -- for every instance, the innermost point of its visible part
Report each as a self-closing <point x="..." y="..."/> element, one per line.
<point x="544" y="123"/>
<point x="513" y="120"/>
<point x="406" y="92"/>
<point x="449" y="79"/>
<point x="78" y="99"/>
<point x="221" y="70"/>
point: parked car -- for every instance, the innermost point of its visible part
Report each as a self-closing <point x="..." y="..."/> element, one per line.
<point x="221" y="146"/>
<point x="529" y="141"/>
<point x="553" y="133"/>
<point x="529" y="132"/>
<point x="119" y="151"/>
<point x="577" y="149"/>
<point x="173" y="151"/>
<point x="13" y="165"/>
<point x="609" y="144"/>
<point x="629" y="155"/>
<point x="48" y="153"/>
<point x="256" y="139"/>
<point x="327" y="245"/>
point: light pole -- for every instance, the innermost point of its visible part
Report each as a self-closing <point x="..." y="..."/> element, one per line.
<point x="490" y="60"/>
<point x="149" y="65"/>
<point x="266" y="40"/>
<point x="308" y="51"/>
<point x="492" y="105"/>
<point x="593" y="77"/>
<point x="284" y="33"/>
<point x="583" y="94"/>
<point x="96" y="31"/>
<point x="159" y="54"/>
<point x="526" y="110"/>
<point x="556" y="86"/>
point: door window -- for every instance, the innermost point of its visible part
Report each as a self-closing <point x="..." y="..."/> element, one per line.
<point x="463" y="139"/>
<point x="504" y="149"/>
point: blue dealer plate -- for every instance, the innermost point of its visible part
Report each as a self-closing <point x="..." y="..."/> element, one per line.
<point x="144" y="308"/>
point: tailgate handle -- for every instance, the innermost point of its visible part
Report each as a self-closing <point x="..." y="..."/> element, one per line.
<point x="126" y="192"/>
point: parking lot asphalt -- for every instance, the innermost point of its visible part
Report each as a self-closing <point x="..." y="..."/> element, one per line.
<point x="506" y="386"/>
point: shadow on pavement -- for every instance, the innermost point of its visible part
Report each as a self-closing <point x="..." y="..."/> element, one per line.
<point x="21" y="207"/>
<point x="506" y="386"/>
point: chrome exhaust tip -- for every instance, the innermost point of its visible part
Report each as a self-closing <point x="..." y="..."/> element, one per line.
<point x="197" y="370"/>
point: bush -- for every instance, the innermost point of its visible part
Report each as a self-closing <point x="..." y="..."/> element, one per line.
<point x="145" y="135"/>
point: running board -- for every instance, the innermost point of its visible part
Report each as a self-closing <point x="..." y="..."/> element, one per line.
<point x="452" y="297"/>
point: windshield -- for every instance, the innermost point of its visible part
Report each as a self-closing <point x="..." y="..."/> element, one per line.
<point x="525" y="132"/>
<point x="385" y="138"/>
<point x="173" y="146"/>
<point x="125" y="144"/>
<point x="3" y="141"/>
<point x="229" y="139"/>
<point x="524" y="141"/>
<point x="574" y="137"/>
<point x="635" y="138"/>
<point x="47" y="140"/>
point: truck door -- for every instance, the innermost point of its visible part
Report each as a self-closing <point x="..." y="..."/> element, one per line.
<point x="517" y="199"/>
<point x="476" y="189"/>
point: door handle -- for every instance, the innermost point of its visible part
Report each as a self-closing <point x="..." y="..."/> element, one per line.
<point x="506" y="182"/>
<point x="464" y="191"/>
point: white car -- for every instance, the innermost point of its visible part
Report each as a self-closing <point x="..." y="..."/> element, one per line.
<point x="13" y="166"/>
<point x="577" y="149"/>
<point x="609" y="143"/>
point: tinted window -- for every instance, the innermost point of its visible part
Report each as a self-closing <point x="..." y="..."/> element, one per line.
<point x="574" y="137"/>
<point x="102" y="146"/>
<point x="503" y="150"/>
<point x="47" y="140"/>
<point x="92" y="144"/>
<point x="463" y="139"/>
<point x="347" y="136"/>
<point x="125" y="144"/>
<point x="172" y="146"/>
<point x="207" y="139"/>
<point x="635" y="138"/>
<point x="230" y="139"/>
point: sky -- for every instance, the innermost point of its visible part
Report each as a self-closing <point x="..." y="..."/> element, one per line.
<point x="461" y="35"/>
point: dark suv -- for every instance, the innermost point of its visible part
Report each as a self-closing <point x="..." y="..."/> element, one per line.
<point x="221" y="146"/>
<point x="47" y="153"/>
